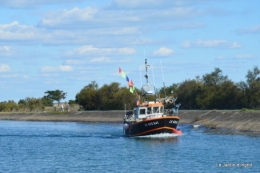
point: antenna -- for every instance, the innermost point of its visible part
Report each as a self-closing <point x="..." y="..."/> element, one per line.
<point x="163" y="80"/>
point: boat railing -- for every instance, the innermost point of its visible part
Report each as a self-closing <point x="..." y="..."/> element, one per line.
<point x="173" y="111"/>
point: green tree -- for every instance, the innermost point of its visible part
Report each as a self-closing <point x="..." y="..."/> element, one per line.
<point x="211" y="96"/>
<point x="88" y="97"/>
<point x="214" y="78"/>
<point x="8" y="106"/>
<point x="251" y="89"/>
<point x="107" y="96"/>
<point x="47" y="101"/>
<point x="56" y="95"/>
<point x="188" y="92"/>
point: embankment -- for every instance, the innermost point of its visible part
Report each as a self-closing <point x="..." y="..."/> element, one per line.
<point x="77" y="116"/>
<point x="240" y="120"/>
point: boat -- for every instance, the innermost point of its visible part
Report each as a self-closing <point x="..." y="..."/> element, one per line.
<point x="150" y="117"/>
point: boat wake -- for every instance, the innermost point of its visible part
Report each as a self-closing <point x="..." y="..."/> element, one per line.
<point x="161" y="135"/>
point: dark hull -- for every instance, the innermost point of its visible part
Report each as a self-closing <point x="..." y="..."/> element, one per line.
<point x="152" y="126"/>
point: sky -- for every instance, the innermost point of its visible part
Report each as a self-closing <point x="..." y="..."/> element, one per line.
<point x="65" y="45"/>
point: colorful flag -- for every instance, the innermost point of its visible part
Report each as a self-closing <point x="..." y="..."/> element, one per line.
<point x="129" y="82"/>
<point x="132" y="83"/>
<point x="123" y="74"/>
<point x="131" y="90"/>
<point x="137" y="102"/>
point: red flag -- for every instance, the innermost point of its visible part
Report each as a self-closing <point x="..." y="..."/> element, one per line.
<point x="131" y="82"/>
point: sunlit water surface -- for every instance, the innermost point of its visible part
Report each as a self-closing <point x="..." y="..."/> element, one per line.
<point x="89" y="147"/>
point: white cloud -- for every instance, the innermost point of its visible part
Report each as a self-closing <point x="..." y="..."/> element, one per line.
<point x="220" y="57"/>
<point x="5" y="51"/>
<point x="250" y="30"/>
<point x="65" y="68"/>
<point x="14" y="31"/>
<point x="61" y="68"/>
<point x="4" y="68"/>
<point x="186" y="44"/>
<point x="153" y="4"/>
<point x="102" y="60"/>
<point x="90" y="50"/>
<point x="33" y="4"/>
<point x="72" y="62"/>
<point x="96" y="18"/>
<point x="211" y="44"/>
<point x="48" y="69"/>
<point x="187" y="25"/>
<point x="244" y="56"/>
<point x="62" y="17"/>
<point x="163" y="51"/>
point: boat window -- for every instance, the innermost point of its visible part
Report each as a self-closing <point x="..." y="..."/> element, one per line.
<point x="161" y="109"/>
<point x="149" y="110"/>
<point x="135" y="111"/>
<point x="142" y="111"/>
<point x="155" y="109"/>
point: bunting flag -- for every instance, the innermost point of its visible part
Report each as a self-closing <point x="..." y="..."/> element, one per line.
<point x="123" y="74"/>
<point x="129" y="82"/>
<point x="131" y="90"/>
<point x="137" y="102"/>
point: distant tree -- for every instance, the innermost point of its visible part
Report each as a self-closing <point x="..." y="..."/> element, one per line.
<point x="34" y="104"/>
<point x="88" y="98"/>
<point x="107" y="96"/>
<point x="22" y="102"/>
<point x="71" y="102"/>
<point x="188" y="93"/>
<point x="56" y="95"/>
<point x="47" y="101"/>
<point x="251" y="89"/>
<point x="93" y="85"/>
<point x="8" y="106"/>
<point x="214" y="78"/>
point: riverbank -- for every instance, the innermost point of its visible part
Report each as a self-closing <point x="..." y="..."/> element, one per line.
<point x="239" y="120"/>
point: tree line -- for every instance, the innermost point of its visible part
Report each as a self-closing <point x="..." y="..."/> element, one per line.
<point x="211" y="91"/>
<point x="30" y="104"/>
<point x="215" y="91"/>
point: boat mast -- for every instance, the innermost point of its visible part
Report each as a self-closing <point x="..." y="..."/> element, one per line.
<point x="146" y="75"/>
<point x="163" y="80"/>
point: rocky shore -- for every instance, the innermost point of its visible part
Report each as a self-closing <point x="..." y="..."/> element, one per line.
<point x="239" y="120"/>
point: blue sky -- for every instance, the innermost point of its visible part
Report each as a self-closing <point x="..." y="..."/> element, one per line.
<point x="63" y="44"/>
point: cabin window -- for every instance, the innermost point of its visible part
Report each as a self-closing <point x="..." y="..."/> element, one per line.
<point x="135" y="111"/>
<point x="149" y="110"/>
<point x="161" y="109"/>
<point x="155" y="109"/>
<point x="142" y="111"/>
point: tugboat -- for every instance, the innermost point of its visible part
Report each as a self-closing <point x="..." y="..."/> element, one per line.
<point x="151" y="117"/>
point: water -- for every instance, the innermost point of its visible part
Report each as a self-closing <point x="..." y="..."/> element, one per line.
<point x="79" y="147"/>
